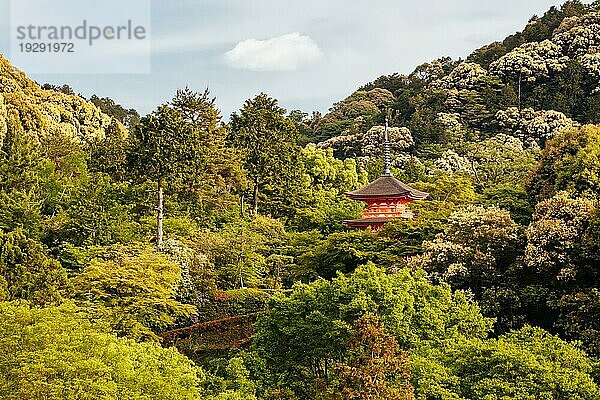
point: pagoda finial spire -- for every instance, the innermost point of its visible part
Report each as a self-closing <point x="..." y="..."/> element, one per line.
<point x="386" y="150"/>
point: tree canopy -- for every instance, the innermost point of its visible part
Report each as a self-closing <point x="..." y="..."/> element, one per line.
<point x="184" y="254"/>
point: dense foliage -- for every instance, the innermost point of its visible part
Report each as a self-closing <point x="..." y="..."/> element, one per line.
<point x="56" y="353"/>
<point x="124" y="236"/>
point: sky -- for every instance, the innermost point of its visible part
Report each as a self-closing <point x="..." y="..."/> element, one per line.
<point x="306" y="53"/>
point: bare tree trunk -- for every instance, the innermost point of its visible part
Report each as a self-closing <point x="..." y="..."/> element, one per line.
<point x="255" y="197"/>
<point x="159" y="214"/>
<point x="520" y="79"/>
<point x="242" y="205"/>
<point x="240" y="272"/>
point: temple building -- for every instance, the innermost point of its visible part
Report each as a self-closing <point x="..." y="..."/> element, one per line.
<point x="387" y="197"/>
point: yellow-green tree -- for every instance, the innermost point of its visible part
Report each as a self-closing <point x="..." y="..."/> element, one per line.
<point x="133" y="289"/>
<point x="570" y="161"/>
<point x="240" y="250"/>
<point x="56" y="353"/>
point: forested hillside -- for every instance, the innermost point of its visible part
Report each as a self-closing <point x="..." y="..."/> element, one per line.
<point x="183" y="255"/>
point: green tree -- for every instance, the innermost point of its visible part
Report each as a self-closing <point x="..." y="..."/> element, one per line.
<point x="305" y="125"/>
<point x="305" y="333"/>
<point x="133" y="289"/>
<point x="27" y="273"/>
<point x="345" y="251"/>
<point x="479" y="250"/>
<point x="502" y="159"/>
<point x="570" y="161"/>
<point x="578" y="317"/>
<point x="355" y="114"/>
<point x="322" y="203"/>
<point x="164" y="147"/>
<point x="512" y="198"/>
<point x="374" y="369"/>
<point x="100" y="211"/>
<point x="472" y="95"/>
<point x="23" y="172"/>
<point x="128" y="117"/>
<point x="454" y="189"/>
<point x="219" y="173"/>
<point x="268" y="141"/>
<point x="240" y="250"/>
<point x="66" y="89"/>
<point x="55" y="353"/>
<point x="109" y="154"/>
<point x="232" y="382"/>
<point x="527" y="364"/>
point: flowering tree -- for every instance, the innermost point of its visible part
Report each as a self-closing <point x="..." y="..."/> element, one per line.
<point x="579" y="35"/>
<point x="466" y="76"/>
<point x="554" y="238"/>
<point x="563" y="249"/>
<point x="371" y="142"/>
<point x="367" y="147"/>
<point x="477" y="244"/>
<point x="530" y="124"/>
<point x="530" y="62"/>
<point x="3" y="122"/>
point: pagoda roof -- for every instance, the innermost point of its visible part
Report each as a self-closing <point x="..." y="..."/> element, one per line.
<point x="387" y="186"/>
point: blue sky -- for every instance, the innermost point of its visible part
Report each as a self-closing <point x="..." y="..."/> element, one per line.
<point x="306" y="53"/>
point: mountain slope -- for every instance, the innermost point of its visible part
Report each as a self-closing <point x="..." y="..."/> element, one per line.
<point x="25" y="107"/>
<point x="543" y="77"/>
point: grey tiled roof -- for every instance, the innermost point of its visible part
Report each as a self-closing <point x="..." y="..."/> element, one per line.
<point x="387" y="185"/>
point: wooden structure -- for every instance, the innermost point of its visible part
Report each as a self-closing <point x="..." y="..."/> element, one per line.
<point x="387" y="198"/>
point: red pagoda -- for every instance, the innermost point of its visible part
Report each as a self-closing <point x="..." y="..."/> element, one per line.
<point x="387" y="197"/>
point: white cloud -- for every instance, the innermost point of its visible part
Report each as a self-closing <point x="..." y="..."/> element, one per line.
<point x="281" y="53"/>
